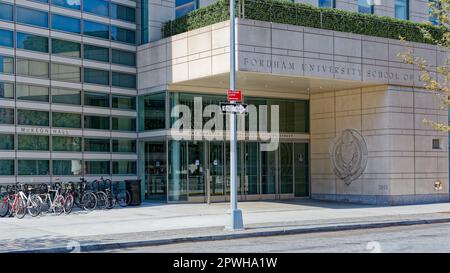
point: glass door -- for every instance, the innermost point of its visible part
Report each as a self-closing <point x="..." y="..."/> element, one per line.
<point x="301" y="169"/>
<point x="269" y="172"/>
<point x="251" y="169"/>
<point x="155" y="171"/>
<point x="196" y="163"/>
<point x="216" y="167"/>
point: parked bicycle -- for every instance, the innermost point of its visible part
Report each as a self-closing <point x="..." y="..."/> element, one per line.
<point x="116" y="196"/>
<point x="84" y="198"/>
<point x="24" y="203"/>
<point x="52" y="200"/>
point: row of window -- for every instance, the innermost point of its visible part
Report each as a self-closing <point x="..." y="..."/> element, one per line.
<point x="66" y="144"/>
<point x="64" y="48"/>
<point x="66" y="120"/>
<point x="67" y="73"/>
<point x="68" y="24"/>
<point x="67" y="167"/>
<point x="29" y="92"/>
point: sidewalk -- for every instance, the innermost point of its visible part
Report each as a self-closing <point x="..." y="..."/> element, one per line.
<point x="162" y="223"/>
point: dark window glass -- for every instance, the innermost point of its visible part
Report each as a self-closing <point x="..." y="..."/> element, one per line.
<point x="66" y="48"/>
<point x="96" y="122"/>
<point x="184" y="6"/>
<point x="6" y="12"/>
<point x="32" y="68"/>
<point x="66" y="144"/>
<point x="123" y="124"/>
<point x="152" y="111"/>
<point x="6" y="167"/>
<point x="96" y="145"/>
<point x="67" y="167"/>
<point x="32" y="92"/>
<point x="123" y="57"/>
<point x="32" y="117"/>
<point x="402" y="9"/>
<point x="66" y="96"/>
<point x="123" y="35"/>
<point x="6" y="65"/>
<point x="124" y="167"/>
<point x="33" y="167"/>
<point x="98" y="7"/>
<point x="96" y="53"/>
<point x="33" y="143"/>
<point x="365" y="6"/>
<point x="66" y="120"/>
<point x="64" y="23"/>
<point x="6" y="90"/>
<point x="123" y="13"/>
<point x="97" y="167"/>
<point x="6" y="142"/>
<point x="96" y="76"/>
<point x="327" y="3"/>
<point x="64" y="72"/>
<point x="32" y="17"/>
<point x="7" y="38"/>
<point x="96" y="99"/>
<point x="95" y="29"/>
<point x="32" y="42"/>
<point x="71" y="4"/>
<point x="6" y="116"/>
<point x="123" y="80"/>
<point x="123" y="102"/>
<point x="124" y="146"/>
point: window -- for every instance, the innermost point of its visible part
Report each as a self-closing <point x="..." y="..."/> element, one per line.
<point x="7" y="38"/>
<point x="95" y="29"/>
<point x="184" y="6"/>
<point x="32" y="117"/>
<point x="33" y="167"/>
<point x="436" y="143"/>
<point x="123" y="146"/>
<point x="32" y="68"/>
<point x="123" y="124"/>
<point x="64" y="23"/>
<point x="123" y="57"/>
<point x="327" y="3"/>
<point x="402" y="9"/>
<point x="6" y="167"/>
<point x="98" y="7"/>
<point x="67" y="167"/>
<point x="6" y="65"/>
<point x="123" y="102"/>
<point x="6" y="142"/>
<point x="96" y="122"/>
<point x="6" y="116"/>
<point x="66" y="48"/>
<point x="64" y="72"/>
<point x="33" y="143"/>
<point x="66" y="144"/>
<point x="97" y="167"/>
<point x="96" y="145"/>
<point x="96" y="99"/>
<point x="435" y="6"/>
<point x="123" y="80"/>
<point x="66" y="120"/>
<point x="152" y="111"/>
<point x="96" y="76"/>
<point x="66" y="96"/>
<point x="71" y="4"/>
<point x="96" y="53"/>
<point x="124" y="167"/>
<point x="32" y="42"/>
<point x="32" y="92"/>
<point x="32" y="17"/>
<point x="6" y="90"/>
<point x="365" y="6"/>
<point x="6" y="12"/>
<point x="121" y="12"/>
<point x="123" y="35"/>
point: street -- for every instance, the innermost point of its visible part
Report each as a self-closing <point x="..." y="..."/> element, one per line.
<point x="416" y="238"/>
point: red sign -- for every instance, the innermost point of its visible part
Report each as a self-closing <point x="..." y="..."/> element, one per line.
<point x="234" y="95"/>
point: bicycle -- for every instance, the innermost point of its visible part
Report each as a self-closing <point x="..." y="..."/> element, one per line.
<point x="23" y="203"/>
<point x="84" y="198"/>
<point x="6" y="193"/>
<point x="56" y="204"/>
<point x="102" y="197"/>
<point x="69" y="199"/>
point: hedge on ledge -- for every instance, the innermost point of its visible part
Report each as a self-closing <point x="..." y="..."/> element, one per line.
<point x="286" y="12"/>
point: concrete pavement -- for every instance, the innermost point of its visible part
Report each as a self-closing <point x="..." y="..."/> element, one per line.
<point x="152" y="224"/>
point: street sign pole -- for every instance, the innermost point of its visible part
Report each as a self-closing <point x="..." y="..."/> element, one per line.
<point x="236" y="214"/>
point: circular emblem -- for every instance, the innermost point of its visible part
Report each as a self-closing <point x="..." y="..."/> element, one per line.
<point x="348" y="155"/>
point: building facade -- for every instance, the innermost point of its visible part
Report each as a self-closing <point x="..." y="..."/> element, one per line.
<point x="91" y="88"/>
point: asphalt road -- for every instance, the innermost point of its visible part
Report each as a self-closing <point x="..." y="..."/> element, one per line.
<point x="417" y="238"/>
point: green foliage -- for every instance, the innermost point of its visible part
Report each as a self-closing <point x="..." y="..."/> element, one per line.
<point x="285" y="12"/>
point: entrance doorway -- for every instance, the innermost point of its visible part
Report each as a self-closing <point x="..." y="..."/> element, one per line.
<point x="155" y="164"/>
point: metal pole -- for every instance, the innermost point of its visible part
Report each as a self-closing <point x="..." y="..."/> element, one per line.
<point x="236" y="214"/>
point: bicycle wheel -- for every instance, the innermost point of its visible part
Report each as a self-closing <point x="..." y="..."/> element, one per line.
<point x="111" y="201"/>
<point x="68" y="204"/>
<point x="19" y="208"/>
<point x="123" y="198"/>
<point x="34" y="205"/>
<point x="58" y="208"/>
<point x="102" y="200"/>
<point x="4" y="206"/>
<point x="88" y="201"/>
<point x="46" y="205"/>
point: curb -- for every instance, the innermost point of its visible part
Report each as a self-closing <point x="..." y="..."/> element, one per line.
<point x="120" y="245"/>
